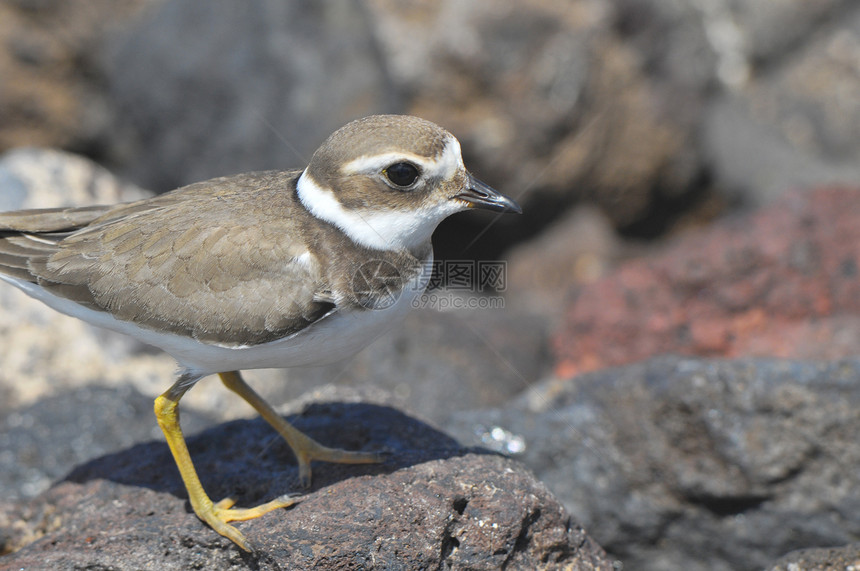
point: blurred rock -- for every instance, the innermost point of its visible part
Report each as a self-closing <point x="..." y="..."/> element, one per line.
<point x="47" y="178"/>
<point x="695" y="45"/>
<point x="691" y="464"/>
<point x="49" y="58"/>
<point x="548" y="104"/>
<point x="772" y="87"/>
<point x="671" y="40"/>
<point x="578" y="249"/>
<point x="438" y="362"/>
<point x="797" y="124"/>
<point x="203" y="90"/>
<point x="780" y="282"/>
<point x="771" y="30"/>
<point x="433" y="504"/>
<point x="43" y="351"/>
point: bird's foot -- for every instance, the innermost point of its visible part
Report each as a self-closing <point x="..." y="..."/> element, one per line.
<point x="220" y="514"/>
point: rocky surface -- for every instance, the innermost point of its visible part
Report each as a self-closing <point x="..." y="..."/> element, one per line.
<point x="823" y="559"/>
<point x="694" y="464"/>
<point x="781" y="282"/>
<point x="433" y="504"/>
<point x="42" y="442"/>
<point x="663" y="114"/>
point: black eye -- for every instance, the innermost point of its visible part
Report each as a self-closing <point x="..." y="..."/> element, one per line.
<point x="402" y="174"/>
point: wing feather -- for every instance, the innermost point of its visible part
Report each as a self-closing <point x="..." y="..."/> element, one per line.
<point x="203" y="261"/>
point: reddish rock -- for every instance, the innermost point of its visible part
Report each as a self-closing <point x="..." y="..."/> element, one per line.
<point x="783" y="281"/>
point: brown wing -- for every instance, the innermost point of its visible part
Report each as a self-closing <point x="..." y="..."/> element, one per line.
<point x="219" y="260"/>
<point x="20" y="232"/>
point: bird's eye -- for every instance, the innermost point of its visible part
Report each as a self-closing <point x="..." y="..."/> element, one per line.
<point x="402" y="174"/>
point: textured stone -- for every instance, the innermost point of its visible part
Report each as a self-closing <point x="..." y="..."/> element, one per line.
<point x="43" y="441"/>
<point x="432" y="504"/>
<point x="779" y="282"/>
<point x="822" y="559"/>
<point x="694" y="464"/>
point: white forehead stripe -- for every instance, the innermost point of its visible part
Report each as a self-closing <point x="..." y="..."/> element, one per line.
<point x="445" y="166"/>
<point x="376" y="229"/>
<point x="374" y="163"/>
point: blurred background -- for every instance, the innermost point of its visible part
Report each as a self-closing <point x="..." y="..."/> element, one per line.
<point x="630" y="131"/>
<point x="661" y="113"/>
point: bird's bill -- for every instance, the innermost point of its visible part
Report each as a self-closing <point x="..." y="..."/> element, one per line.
<point x="482" y="195"/>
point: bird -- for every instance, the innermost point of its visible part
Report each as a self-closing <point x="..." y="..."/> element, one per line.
<point x="268" y="269"/>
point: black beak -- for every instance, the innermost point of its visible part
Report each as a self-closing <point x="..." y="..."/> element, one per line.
<point x="481" y="195"/>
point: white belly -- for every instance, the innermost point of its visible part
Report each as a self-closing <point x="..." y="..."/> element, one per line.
<point x="332" y="339"/>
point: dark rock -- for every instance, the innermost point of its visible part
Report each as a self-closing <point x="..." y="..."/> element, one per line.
<point x="698" y="465"/>
<point x="433" y="504"/>
<point x="780" y="282"/>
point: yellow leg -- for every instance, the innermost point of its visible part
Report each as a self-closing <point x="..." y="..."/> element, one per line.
<point x="305" y="448"/>
<point x="216" y="515"/>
